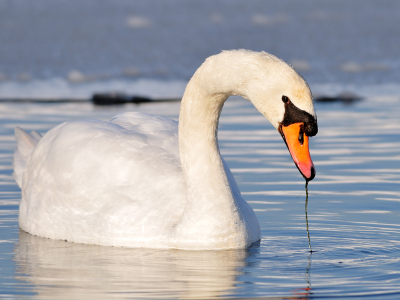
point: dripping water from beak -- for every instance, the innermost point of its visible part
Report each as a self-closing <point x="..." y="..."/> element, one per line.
<point x="308" y="232"/>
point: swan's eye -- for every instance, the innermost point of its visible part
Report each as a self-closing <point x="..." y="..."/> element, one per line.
<point x="285" y="99"/>
<point x="301" y="137"/>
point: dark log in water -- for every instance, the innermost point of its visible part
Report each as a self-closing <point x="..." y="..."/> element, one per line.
<point x="346" y="98"/>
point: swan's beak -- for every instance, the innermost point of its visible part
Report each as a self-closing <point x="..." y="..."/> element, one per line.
<point x="297" y="142"/>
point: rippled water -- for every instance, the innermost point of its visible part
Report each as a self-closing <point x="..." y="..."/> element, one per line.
<point x="353" y="212"/>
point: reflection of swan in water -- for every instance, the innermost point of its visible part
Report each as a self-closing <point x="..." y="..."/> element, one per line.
<point x="61" y="270"/>
<point x="129" y="182"/>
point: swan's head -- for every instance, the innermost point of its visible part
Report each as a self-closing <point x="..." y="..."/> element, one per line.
<point x="279" y="93"/>
<point x="285" y="99"/>
<point x="275" y="89"/>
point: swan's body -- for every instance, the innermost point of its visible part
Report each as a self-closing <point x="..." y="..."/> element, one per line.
<point x="130" y="182"/>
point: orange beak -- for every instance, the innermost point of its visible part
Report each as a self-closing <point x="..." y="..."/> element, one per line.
<point x="297" y="143"/>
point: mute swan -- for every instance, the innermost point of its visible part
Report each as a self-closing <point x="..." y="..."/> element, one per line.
<point x="129" y="182"/>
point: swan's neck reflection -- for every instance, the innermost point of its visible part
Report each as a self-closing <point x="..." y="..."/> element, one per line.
<point x="65" y="270"/>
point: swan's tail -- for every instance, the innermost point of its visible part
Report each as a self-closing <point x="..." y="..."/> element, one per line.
<point x="25" y="144"/>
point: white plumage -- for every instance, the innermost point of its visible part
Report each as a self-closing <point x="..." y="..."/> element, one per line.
<point x="134" y="182"/>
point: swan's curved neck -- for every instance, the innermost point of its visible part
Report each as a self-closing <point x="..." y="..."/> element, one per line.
<point x="211" y="205"/>
<point x="201" y="106"/>
<point x="199" y="152"/>
<point x="214" y="203"/>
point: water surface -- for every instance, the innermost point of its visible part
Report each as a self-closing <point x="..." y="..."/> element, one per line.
<point x="353" y="212"/>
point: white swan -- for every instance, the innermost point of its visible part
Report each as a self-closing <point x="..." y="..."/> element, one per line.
<point x="129" y="182"/>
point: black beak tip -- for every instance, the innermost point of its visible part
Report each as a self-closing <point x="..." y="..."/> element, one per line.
<point x="312" y="174"/>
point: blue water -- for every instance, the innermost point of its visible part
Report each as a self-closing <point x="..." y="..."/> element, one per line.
<point x="330" y="41"/>
<point x="71" y="49"/>
<point x="353" y="212"/>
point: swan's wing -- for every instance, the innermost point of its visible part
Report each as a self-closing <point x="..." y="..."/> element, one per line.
<point x="145" y="122"/>
<point x="26" y="143"/>
<point x="159" y="131"/>
<point x="119" y="179"/>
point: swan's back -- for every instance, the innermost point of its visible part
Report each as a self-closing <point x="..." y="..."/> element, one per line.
<point x="117" y="182"/>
